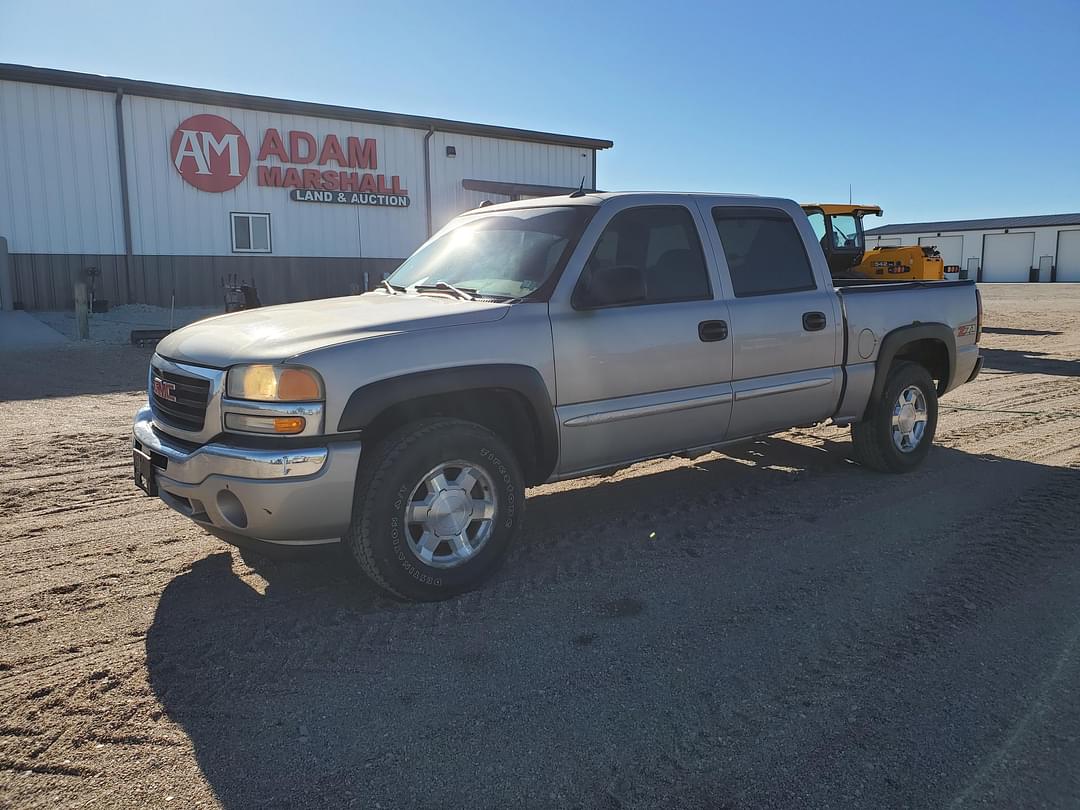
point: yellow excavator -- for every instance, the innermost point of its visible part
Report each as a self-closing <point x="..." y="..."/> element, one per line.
<point x="839" y="229"/>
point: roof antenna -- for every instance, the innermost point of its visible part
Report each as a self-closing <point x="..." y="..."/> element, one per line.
<point x="581" y="189"/>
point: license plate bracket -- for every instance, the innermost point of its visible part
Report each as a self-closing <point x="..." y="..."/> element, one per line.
<point x="144" y="472"/>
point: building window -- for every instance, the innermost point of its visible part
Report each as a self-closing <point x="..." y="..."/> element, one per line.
<point x="250" y="233"/>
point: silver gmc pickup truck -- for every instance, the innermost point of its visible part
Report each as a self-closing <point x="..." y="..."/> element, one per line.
<point x="530" y="342"/>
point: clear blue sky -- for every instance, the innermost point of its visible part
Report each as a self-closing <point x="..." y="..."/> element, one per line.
<point x="932" y="110"/>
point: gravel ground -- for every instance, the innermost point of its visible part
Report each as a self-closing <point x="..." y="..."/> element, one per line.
<point x="114" y="327"/>
<point x="798" y="632"/>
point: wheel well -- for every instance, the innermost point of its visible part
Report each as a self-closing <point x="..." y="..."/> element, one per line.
<point x="504" y="412"/>
<point x="932" y="355"/>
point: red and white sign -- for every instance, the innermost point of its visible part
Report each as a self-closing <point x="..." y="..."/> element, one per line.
<point x="210" y="153"/>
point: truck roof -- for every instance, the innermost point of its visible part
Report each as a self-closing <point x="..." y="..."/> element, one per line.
<point x="596" y="198"/>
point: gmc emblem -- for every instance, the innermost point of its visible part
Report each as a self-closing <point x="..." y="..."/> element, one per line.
<point x="164" y="390"/>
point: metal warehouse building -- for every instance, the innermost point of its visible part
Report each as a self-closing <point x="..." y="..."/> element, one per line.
<point x="1040" y="248"/>
<point x="168" y="188"/>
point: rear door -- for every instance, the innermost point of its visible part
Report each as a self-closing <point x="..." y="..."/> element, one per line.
<point x="649" y="378"/>
<point x="786" y="324"/>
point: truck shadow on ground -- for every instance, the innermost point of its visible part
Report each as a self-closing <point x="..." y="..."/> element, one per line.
<point x="320" y="691"/>
<point x="1029" y="362"/>
<point x="74" y="371"/>
<point x="1007" y="330"/>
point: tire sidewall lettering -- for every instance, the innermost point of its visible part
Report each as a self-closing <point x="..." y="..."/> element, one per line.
<point x="509" y="490"/>
<point x="402" y="552"/>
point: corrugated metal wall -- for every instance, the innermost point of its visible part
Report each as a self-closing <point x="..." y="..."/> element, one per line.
<point x="170" y="217"/>
<point x="480" y="158"/>
<point x="59" y="178"/>
<point x="60" y="203"/>
<point x="47" y="280"/>
<point x="197" y="280"/>
<point x="1045" y="243"/>
<point x="61" y="210"/>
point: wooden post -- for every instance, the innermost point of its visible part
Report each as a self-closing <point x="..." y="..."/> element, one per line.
<point x="82" y="315"/>
<point x="7" y="295"/>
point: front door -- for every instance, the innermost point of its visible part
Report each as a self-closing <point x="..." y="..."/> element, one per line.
<point x="649" y="378"/>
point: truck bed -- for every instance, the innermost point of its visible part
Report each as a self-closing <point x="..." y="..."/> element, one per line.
<point x="870" y="317"/>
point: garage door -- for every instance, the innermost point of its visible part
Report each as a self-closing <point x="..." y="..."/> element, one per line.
<point x="1007" y="256"/>
<point x="1068" y="256"/>
<point x="951" y="248"/>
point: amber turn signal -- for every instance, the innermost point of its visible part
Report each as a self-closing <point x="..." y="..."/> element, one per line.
<point x="288" y="424"/>
<point x="265" y="424"/>
<point x="298" y="385"/>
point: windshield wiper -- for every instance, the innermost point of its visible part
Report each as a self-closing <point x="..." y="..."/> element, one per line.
<point x="445" y="286"/>
<point x="386" y="285"/>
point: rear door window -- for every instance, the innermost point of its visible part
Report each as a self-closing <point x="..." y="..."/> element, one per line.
<point x="765" y="254"/>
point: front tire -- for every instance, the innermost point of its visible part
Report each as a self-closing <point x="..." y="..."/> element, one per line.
<point x="436" y="507"/>
<point x="898" y="429"/>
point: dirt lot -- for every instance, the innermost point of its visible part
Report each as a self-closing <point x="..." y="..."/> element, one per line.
<point x="769" y="627"/>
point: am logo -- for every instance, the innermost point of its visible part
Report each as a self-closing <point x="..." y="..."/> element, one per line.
<point x="210" y="153"/>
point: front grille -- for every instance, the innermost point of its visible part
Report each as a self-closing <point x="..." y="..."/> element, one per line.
<point x="192" y="395"/>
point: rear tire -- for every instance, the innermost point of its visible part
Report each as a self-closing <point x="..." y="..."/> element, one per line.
<point x="899" y="427"/>
<point x="436" y="507"/>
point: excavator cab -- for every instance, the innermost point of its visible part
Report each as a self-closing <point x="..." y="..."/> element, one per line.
<point x="839" y="230"/>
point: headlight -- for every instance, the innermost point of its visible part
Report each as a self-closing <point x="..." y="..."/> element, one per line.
<point x="264" y="383"/>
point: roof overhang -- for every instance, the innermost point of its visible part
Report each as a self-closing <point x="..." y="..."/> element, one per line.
<point x="838" y="209"/>
<point x="196" y="95"/>
<point x="518" y="189"/>
<point x="995" y="224"/>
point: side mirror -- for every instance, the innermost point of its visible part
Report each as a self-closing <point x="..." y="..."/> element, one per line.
<point x="615" y="286"/>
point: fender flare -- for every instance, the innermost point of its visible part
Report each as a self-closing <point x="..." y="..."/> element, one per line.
<point x="894" y="342"/>
<point x="368" y="401"/>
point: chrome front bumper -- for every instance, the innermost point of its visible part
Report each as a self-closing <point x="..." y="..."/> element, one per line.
<point x="288" y="496"/>
<point x="193" y="466"/>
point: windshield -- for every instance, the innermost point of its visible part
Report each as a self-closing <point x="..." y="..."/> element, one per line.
<point x="845" y="231"/>
<point x="505" y="254"/>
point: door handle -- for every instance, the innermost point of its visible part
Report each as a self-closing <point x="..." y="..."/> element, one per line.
<point x="813" y="321"/>
<point x="711" y="331"/>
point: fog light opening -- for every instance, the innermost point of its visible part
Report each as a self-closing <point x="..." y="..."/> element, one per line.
<point x="231" y="509"/>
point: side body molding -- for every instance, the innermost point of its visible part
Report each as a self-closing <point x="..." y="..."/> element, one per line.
<point x="896" y="340"/>
<point x="368" y="401"/>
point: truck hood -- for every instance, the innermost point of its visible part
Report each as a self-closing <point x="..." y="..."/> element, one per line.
<point x="273" y="334"/>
